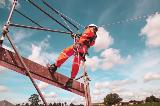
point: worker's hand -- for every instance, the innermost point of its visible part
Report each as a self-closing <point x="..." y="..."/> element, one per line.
<point x="77" y="45"/>
<point x="73" y="35"/>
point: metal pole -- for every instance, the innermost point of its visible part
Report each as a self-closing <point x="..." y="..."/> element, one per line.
<point x="26" y="69"/>
<point x="86" y="86"/>
<point x="38" y="28"/>
<point x="8" y="21"/>
<point x="49" y="15"/>
<point x="11" y="13"/>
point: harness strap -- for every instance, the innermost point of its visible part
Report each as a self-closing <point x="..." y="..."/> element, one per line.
<point x="89" y="41"/>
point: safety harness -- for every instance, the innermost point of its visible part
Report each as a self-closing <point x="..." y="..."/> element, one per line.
<point x="87" y="42"/>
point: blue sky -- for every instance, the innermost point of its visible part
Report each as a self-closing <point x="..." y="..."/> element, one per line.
<point x="124" y="60"/>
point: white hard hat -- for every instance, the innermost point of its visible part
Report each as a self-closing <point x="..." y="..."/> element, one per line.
<point x="92" y="25"/>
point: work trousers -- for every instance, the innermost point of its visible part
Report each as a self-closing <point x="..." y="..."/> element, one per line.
<point x="66" y="53"/>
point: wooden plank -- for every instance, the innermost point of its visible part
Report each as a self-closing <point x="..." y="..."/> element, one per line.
<point x="9" y="60"/>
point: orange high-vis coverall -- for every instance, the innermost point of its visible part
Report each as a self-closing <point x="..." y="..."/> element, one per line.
<point x="67" y="52"/>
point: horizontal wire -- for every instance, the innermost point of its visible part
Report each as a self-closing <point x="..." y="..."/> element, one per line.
<point x="57" y="12"/>
<point x="131" y="19"/>
<point x="70" y="19"/>
<point x="38" y="28"/>
<point x="37" y="6"/>
<point x="22" y="14"/>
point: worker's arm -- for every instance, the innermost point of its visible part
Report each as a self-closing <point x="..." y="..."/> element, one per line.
<point x="85" y="36"/>
<point x="92" y="43"/>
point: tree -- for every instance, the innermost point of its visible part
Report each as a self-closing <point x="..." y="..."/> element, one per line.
<point x="112" y="99"/>
<point x="152" y="99"/>
<point x="71" y="104"/>
<point x="34" y="99"/>
<point x="65" y="103"/>
<point x="26" y="104"/>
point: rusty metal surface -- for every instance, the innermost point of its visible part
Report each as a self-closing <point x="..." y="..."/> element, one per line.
<point x="10" y="60"/>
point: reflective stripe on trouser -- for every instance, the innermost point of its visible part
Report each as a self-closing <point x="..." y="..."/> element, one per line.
<point x="64" y="55"/>
<point x="75" y="66"/>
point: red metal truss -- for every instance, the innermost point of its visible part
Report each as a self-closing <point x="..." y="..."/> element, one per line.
<point x="10" y="60"/>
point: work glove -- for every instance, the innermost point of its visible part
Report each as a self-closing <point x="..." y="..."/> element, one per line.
<point x="77" y="36"/>
<point x="73" y="35"/>
<point x="77" y="45"/>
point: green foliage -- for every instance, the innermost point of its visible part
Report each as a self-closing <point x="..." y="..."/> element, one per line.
<point x="112" y="99"/>
<point x="152" y="99"/>
<point x="34" y="100"/>
<point x="27" y="104"/>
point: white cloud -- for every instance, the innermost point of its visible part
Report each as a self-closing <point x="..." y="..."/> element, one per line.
<point x="102" y="85"/>
<point x="117" y="89"/>
<point x="113" y="84"/>
<point x="2" y="3"/>
<point x="126" y="93"/>
<point x="3" y="89"/>
<point x="96" y="92"/>
<point x="8" y="4"/>
<point x="42" y="85"/>
<point x="111" y="57"/>
<point x="11" y="2"/>
<point x="107" y="60"/>
<point x="103" y="41"/>
<point x="151" y="31"/>
<point x="39" y="54"/>
<point x="50" y="95"/>
<point x="78" y="100"/>
<point x="144" y="67"/>
<point x="143" y="63"/>
<point x="152" y="76"/>
<point x="20" y="35"/>
<point x="118" y="86"/>
<point x="93" y="62"/>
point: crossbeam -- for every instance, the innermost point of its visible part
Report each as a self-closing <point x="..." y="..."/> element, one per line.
<point x="10" y="60"/>
<point x="38" y="28"/>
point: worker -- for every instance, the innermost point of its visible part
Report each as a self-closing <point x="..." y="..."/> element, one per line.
<point x="79" y="49"/>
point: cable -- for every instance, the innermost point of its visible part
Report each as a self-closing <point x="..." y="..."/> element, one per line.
<point x="49" y="15"/>
<point x="69" y="18"/>
<point x="60" y="14"/>
<point x="28" y="18"/>
<point x="63" y="18"/>
<point x="73" y="20"/>
<point x="131" y="19"/>
<point x="38" y="28"/>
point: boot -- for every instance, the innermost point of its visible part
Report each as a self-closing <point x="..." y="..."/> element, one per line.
<point x="69" y="83"/>
<point x="52" y="67"/>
